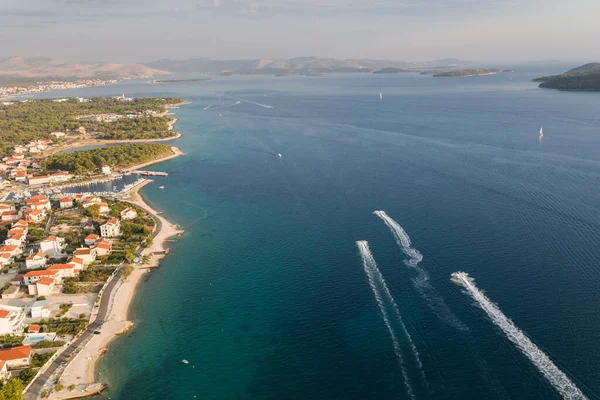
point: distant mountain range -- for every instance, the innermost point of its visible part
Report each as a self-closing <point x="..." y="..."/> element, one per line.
<point x="43" y="68"/>
<point x="584" y="77"/>
<point x="297" y="65"/>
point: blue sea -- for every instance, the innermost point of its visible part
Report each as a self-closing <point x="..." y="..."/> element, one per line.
<point x="267" y="294"/>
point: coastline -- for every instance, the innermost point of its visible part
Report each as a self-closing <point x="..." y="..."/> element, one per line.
<point x="81" y="370"/>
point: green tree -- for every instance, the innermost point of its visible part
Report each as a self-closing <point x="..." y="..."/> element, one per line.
<point x="12" y="390"/>
<point x="129" y="256"/>
<point x="127" y="271"/>
<point x="93" y="211"/>
<point x="27" y="374"/>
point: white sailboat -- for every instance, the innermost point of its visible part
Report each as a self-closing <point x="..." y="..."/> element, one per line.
<point x="380" y="96"/>
<point x="541" y="132"/>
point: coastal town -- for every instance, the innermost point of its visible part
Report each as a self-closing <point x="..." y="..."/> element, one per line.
<point x="66" y="254"/>
<point x="39" y="87"/>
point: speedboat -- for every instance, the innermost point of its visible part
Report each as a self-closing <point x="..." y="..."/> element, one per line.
<point x="186" y="362"/>
<point x="161" y="187"/>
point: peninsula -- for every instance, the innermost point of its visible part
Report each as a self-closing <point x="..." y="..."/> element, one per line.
<point x="584" y="77"/>
<point x="71" y="261"/>
<point x="467" y="72"/>
<point x="391" y="70"/>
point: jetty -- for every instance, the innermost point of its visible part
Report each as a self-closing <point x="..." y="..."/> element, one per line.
<point x="150" y="173"/>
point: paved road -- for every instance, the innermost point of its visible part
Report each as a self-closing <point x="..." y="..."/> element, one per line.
<point x="38" y="386"/>
<point x="36" y="389"/>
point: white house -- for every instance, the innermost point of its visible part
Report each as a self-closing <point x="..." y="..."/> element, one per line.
<point x="40" y="309"/>
<point x="52" y="246"/>
<point x="58" y="134"/>
<point x="106" y="169"/>
<point x="38" y="180"/>
<point x="43" y="287"/>
<point x="110" y="228"/>
<point x="35" y="261"/>
<point x="39" y="202"/>
<point x="4" y="374"/>
<point x="87" y="255"/>
<point x="103" y="248"/>
<point x="35" y="216"/>
<point x="32" y="277"/>
<point x="67" y="202"/>
<point x="128" y="213"/>
<point x="11" y="320"/>
<point x="10" y="216"/>
<point x="91" y="239"/>
<point x="14" y="357"/>
<point x="65" y="270"/>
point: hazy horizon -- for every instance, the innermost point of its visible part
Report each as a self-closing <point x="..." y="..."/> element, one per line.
<point x="136" y="31"/>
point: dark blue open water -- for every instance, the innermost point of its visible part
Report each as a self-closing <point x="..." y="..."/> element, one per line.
<point x="267" y="296"/>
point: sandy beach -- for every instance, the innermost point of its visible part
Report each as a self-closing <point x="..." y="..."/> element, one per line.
<point x="81" y="370"/>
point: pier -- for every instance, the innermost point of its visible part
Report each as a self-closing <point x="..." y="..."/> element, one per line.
<point x="150" y="173"/>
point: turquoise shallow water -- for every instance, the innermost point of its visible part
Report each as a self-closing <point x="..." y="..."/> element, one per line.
<point x="266" y="294"/>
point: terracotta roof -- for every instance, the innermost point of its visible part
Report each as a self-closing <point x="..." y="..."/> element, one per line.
<point x="83" y="251"/>
<point x="60" y="266"/>
<point x="17" y="278"/>
<point x="31" y="257"/>
<point x="34" y="328"/>
<point x="76" y="260"/>
<point x="9" y="248"/>
<point x="66" y="200"/>
<point x="5" y="255"/>
<point x="4" y="313"/>
<point x="46" y="272"/>
<point x="104" y="245"/>
<point x="15" y="353"/>
<point x="91" y="236"/>
<point x="46" y="281"/>
<point x="50" y="239"/>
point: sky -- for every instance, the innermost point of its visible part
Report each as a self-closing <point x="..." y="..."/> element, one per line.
<point x="409" y="30"/>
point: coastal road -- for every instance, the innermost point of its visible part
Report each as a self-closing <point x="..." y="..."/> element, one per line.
<point x="38" y="386"/>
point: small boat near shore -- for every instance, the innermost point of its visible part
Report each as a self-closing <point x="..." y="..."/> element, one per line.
<point x="186" y="362"/>
<point x="161" y="187"/>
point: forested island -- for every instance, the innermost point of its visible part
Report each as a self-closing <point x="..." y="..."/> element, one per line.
<point x="391" y="70"/>
<point x="467" y="72"/>
<point x="107" y="118"/>
<point x="124" y="156"/>
<point x="584" y="77"/>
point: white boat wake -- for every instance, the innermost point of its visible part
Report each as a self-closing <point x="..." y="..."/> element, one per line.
<point x="252" y="102"/>
<point x="542" y="362"/>
<point x="383" y="297"/>
<point x="421" y="281"/>
<point x="221" y="107"/>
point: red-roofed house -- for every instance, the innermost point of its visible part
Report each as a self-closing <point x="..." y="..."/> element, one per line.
<point x="103" y="248"/>
<point x="65" y="270"/>
<point x="87" y="255"/>
<point x="39" y="202"/>
<point x="20" y="224"/>
<point x="35" y="216"/>
<point x="90" y="201"/>
<point x="128" y="213"/>
<point x="32" y="277"/>
<point x="78" y="262"/>
<point x="34" y="329"/>
<point x="16" y="356"/>
<point x="67" y="202"/>
<point x="4" y="374"/>
<point x="13" y="250"/>
<point x="9" y="216"/>
<point x="43" y="287"/>
<point x="11" y="320"/>
<point x="35" y="261"/>
<point x="6" y="207"/>
<point x="91" y="239"/>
